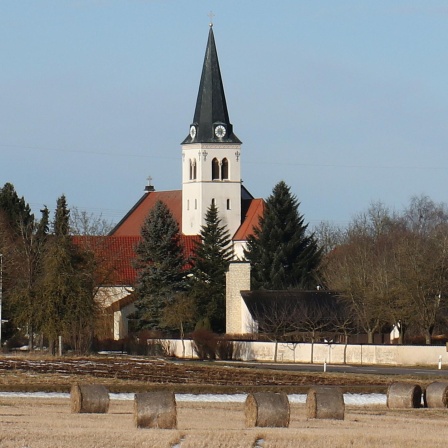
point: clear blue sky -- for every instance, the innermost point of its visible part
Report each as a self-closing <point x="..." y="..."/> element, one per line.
<point x="347" y="101"/>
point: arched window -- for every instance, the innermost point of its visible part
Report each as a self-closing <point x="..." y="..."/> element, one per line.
<point x="194" y="169"/>
<point x="191" y="169"/>
<point x="225" y="169"/>
<point x="228" y="204"/>
<point x="213" y="202"/>
<point x="215" y="169"/>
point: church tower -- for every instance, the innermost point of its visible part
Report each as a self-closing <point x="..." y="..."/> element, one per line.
<point x="211" y="154"/>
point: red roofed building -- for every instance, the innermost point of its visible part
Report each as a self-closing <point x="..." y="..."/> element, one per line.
<point x="211" y="173"/>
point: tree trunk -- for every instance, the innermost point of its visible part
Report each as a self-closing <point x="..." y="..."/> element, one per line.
<point x="370" y="335"/>
<point x="182" y="339"/>
<point x="41" y="342"/>
<point x="52" y="347"/>
<point x="345" y="348"/>
<point x="30" y="338"/>
<point x="401" y="331"/>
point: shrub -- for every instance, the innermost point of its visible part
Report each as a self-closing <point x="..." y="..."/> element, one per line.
<point x="17" y="341"/>
<point x="225" y="349"/>
<point x="204" y="343"/>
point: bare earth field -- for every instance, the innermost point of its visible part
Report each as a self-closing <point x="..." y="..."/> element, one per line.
<point x="48" y="423"/>
<point x="133" y="374"/>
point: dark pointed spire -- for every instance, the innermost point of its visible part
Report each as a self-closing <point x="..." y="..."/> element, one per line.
<point x="211" y="122"/>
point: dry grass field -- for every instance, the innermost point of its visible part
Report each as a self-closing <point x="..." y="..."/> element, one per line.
<point x="48" y="423"/>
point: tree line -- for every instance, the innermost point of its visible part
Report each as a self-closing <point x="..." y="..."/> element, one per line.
<point x="385" y="268"/>
<point x="48" y="282"/>
<point x="391" y="268"/>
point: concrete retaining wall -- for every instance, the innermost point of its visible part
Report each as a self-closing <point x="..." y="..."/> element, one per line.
<point x="393" y="355"/>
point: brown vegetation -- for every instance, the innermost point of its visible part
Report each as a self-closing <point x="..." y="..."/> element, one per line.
<point x="89" y="398"/>
<point x="436" y="395"/>
<point x="48" y="423"/>
<point x="142" y="374"/>
<point x="155" y="410"/>
<point x="404" y="395"/>
<point x="325" y="402"/>
<point x="267" y="409"/>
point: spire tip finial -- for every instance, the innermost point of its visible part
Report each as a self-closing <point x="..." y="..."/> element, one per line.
<point x="211" y="15"/>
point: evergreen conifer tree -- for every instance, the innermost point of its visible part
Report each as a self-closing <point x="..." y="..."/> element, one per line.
<point x="16" y="211"/>
<point x="211" y="260"/>
<point x="67" y="290"/>
<point x="160" y="267"/>
<point x="24" y="294"/>
<point x="17" y="227"/>
<point x="281" y="253"/>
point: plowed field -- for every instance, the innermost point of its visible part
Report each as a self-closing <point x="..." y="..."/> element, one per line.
<point x="122" y="373"/>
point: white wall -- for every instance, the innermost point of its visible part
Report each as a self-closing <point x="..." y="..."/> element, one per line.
<point x="197" y="194"/>
<point x="389" y="355"/>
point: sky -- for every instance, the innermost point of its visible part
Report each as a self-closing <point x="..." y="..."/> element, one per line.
<point x="346" y="101"/>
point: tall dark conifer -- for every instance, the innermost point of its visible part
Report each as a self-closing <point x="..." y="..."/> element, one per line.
<point x="160" y="267"/>
<point x="16" y="211"/>
<point x="25" y="295"/>
<point x="281" y="253"/>
<point x="67" y="289"/>
<point x="17" y="228"/>
<point x="211" y="259"/>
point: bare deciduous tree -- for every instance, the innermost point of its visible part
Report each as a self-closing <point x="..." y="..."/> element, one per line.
<point x="394" y="268"/>
<point x="181" y="313"/>
<point x="88" y="224"/>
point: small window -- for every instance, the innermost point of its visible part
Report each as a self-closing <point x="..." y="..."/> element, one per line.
<point x="188" y="204"/>
<point x="228" y="204"/>
<point x="225" y="169"/>
<point x="215" y="169"/>
<point x="195" y="204"/>
<point x="194" y="169"/>
<point x="191" y="169"/>
<point x="213" y="202"/>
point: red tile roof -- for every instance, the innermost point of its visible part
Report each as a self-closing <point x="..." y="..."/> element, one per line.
<point x="131" y="224"/>
<point x="117" y="251"/>
<point x="250" y="220"/>
<point x="115" y="255"/>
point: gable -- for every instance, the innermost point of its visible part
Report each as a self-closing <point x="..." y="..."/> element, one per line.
<point x="132" y="222"/>
<point x="130" y="225"/>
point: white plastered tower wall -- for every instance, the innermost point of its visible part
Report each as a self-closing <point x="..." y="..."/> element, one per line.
<point x="199" y="189"/>
<point x="238" y="317"/>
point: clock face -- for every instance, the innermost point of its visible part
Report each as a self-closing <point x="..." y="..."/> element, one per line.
<point x="193" y="131"/>
<point x="220" y="131"/>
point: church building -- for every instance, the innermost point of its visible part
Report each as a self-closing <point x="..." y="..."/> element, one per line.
<point x="211" y="174"/>
<point x="211" y="169"/>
